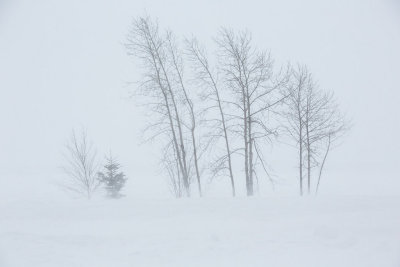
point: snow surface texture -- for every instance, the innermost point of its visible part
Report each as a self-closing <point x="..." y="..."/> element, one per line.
<point x="323" y="231"/>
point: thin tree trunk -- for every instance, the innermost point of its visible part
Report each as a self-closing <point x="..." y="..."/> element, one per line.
<point x="182" y="160"/>
<point x="307" y="124"/>
<point x="308" y="161"/>
<point x="165" y="96"/>
<point x="203" y="63"/>
<point x="228" y="151"/>
<point x="178" y="122"/>
<point x="246" y="147"/>
<point x="177" y="150"/>
<point x="196" y="165"/>
<point x="250" y="138"/>
<point x="191" y="109"/>
<point x="323" y="163"/>
<point x="186" y="176"/>
<point x="301" y="162"/>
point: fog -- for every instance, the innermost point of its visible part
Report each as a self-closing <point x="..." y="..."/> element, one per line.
<point x="63" y="65"/>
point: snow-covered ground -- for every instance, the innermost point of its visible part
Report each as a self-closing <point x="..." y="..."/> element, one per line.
<point x="278" y="231"/>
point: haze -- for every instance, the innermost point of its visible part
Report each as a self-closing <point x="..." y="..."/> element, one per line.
<point x="63" y="66"/>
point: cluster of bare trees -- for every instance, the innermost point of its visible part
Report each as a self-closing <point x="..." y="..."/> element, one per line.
<point x="227" y="107"/>
<point x="313" y="123"/>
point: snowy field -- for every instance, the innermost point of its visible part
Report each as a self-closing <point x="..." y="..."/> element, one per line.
<point x="323" y="231"/>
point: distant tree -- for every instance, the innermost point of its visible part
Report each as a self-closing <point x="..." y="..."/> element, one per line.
<point x="177" y="64"/>
<point x="249" y="74"/>
<point x="81" y="165"/>
<point x="314" y="122"/>
<point x="336" y="127"/>
<point x="208" y="79"/>
<point x="324" y="124"/>
<point x="295" y="113"/>
<point x="170" y="100"/>
<point x="112" y="179"/>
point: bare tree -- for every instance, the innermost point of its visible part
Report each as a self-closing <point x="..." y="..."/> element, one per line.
<point x="164" y="83"/>
<point x="316" y="120"/>
<point x="313" y="123"/>
<point x="248" y="73"/>
<point x="206" y="77"/>
<point x="295" y="113"/>
<point x="320" y="119"/>
<point x="170" y="164"/>
<point x="177" y="64"/>
<point x="337" y="127"/>
<point x="81" y="165"/>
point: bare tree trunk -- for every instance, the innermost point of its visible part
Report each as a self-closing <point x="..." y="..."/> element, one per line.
<point x="178" y="122"/>
<point x="301" y="164"/>
<point x="314" y="112"/>
<point x="175" y="141"/>
<point x="196" y="159"/>
<point x="226" y="138"/>
<point x="204" y="73"/>
<point x="308" y="160"/>
<point x="174" y="55"/>
<point x="248" y="73"/>
<point x="229" y="159"/>
<point x="323" y="163"/>
<point x="250" y="191"/>
<point x="246" y="146"/>
<point x="170" y="119"/>
<point x="224" y="128"/>
<point x="295" y="113"/>
<point x="145" y="42"/>
<point x="180" y="132"/>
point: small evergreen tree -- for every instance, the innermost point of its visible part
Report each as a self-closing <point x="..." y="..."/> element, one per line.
<point x="111" y="178"/>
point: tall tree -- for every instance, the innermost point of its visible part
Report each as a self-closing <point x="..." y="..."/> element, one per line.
<point x="336" y="127"/>
<point x="206" y="77"/>
<point x="294" y="114"/>
<point x="248" y="73"/>
<point x="314" y="121"/>
<point x="164" y="83"/>
<point x="177" y="63"/>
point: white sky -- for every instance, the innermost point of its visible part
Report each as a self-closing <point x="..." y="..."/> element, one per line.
<point x="63" y="65"/>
